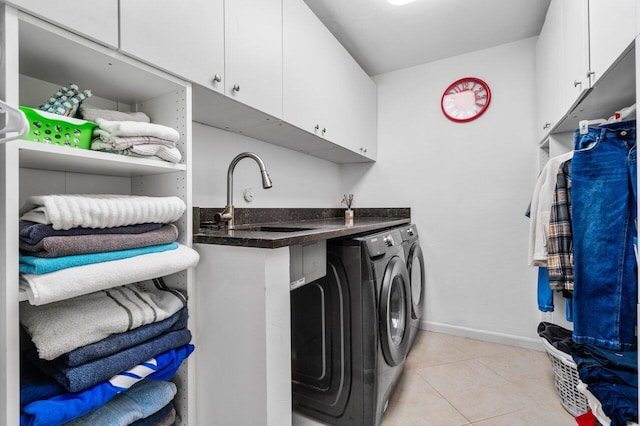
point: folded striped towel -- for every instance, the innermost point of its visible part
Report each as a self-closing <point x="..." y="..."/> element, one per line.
<point x="45" y="265"/>
<point x="98" y="243"/>
<point x="68" y="211"/>
<point x="103" y="140"/>
<point x="62" y="327"/>
<point x="79" y="280"/>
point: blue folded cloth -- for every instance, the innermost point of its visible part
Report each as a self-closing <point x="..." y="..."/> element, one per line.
<point x="75" y="379"/>
<point x="120" y="341"/>
<point x="67" y="406"/>
<point x="43" y="265"/>
<point x="156" y="417"/>
<point x="32" y="233"/>
<point x="140" y="401"/>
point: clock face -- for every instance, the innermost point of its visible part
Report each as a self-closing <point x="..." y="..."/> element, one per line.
<point x="465" y="99"/>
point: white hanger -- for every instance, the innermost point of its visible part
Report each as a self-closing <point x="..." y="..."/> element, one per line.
<point x="621" y="115"/>
<point x="14" y="122"/>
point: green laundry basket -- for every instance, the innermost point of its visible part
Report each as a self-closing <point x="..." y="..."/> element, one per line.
<point x="54" y="129"/>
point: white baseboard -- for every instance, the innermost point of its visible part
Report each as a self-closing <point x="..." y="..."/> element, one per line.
<point x="488" y="336"/>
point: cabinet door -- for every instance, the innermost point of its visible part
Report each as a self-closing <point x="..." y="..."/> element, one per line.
<point x="186" y="40"/>
<point x="575" y="24"/>
<point x="253" y="53"/>
<point x="611" y="30"/>
<point x="96" y="19"/>
<point x="549" y="51"/>
<point x="305" y="75"/>
<point x="353" y="108"/>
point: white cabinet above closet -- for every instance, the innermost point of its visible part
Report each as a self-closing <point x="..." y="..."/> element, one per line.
<point x="611" y="30"/>
<point x="187" y="40"/>
<point x="97" y="19"/>
<point x="580" y="40"/>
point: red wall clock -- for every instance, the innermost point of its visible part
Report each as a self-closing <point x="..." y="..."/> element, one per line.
<point x="465" y="99"/>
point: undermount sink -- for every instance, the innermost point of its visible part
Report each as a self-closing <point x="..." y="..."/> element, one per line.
<point x="267" y="228"/>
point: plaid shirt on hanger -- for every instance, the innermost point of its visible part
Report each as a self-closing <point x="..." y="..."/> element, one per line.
<point x="560" y="243"/>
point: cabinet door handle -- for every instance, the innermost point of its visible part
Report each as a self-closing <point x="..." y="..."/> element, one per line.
<point x="577" y="83"/>
<point x="317" y="127"/>
<point x="324" y="130"/>
<point x="546" y="126"/>
<point x="217" y="78"/>
<point x="236" y="88"/>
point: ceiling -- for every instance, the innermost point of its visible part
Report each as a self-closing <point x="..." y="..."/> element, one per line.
<point x="384" y="38"/>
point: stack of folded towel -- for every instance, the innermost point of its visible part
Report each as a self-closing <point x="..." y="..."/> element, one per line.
<point x="95" y="326"/>
<point x="132" y="134"/>
<point x="77" y="244"/>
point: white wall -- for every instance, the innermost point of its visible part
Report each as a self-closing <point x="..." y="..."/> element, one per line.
<point x="299" y="180"/>
<point x="468" y="186"/>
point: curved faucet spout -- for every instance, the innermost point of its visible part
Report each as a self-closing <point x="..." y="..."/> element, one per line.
<point x="266" y="180"/>
<point x="228" y="213"/>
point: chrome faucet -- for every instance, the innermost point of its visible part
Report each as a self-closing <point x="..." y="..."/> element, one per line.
<point x="228" y="214"/>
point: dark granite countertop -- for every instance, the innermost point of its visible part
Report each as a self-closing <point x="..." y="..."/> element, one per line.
<point x="273" y="228"/>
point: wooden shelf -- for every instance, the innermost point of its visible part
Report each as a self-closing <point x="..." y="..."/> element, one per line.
<point x="34" y="155"/>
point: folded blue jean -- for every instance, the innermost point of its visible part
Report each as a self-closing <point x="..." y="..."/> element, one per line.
<point x="120" y="341"/>
<point x="67" y="406"/>
<point x="140" y="401"/>
<point x="75" y="379"/>
<point x="44" y="265"/>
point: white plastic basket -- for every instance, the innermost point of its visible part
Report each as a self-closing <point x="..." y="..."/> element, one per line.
<point x="566" y="380"/>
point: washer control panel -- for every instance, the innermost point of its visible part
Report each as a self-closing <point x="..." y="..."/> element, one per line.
<point x="379" y="244"/>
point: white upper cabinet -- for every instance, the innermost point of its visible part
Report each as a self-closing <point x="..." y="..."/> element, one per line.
<point x="580" y="40"/>
<point x="549" y="51"/>
<point x="186" y="40"/>
<point x="325" y="91"/>
<point x="612" y="28"/>
<point x="253" y="54"/>
<point x="305" y="96"/>
<point x="575" y="58"/>
<point x="97" y="19"/>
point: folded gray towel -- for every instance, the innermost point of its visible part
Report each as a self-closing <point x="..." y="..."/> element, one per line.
<point x="96" y="243"/>
<point x="92" y="114"/>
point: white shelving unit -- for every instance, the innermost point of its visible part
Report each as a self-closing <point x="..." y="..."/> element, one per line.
<point x="39" y="57"/>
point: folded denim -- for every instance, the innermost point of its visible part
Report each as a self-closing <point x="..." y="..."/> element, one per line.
<point x="76" y="379"/>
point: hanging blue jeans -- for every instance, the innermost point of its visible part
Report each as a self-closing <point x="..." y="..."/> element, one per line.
<point x="604" y="211"/>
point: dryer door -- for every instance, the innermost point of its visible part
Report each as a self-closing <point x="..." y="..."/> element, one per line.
<point x="415" y="267"/>
<point x="320" y="342"/>
<point x="395" y="311"/>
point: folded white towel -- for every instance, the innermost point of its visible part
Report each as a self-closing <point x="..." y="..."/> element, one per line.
<point x="58" y="328"/>
<point x="133" y="128"/>
<point x="72" y="282"/>
<point x="68" y="211"/>
<point x="166" y="153"/>
<point x="103" y="140"/>
<point x="92" y="114"/>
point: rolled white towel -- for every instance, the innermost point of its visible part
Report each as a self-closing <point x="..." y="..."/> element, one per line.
<point x="68" y="211"/>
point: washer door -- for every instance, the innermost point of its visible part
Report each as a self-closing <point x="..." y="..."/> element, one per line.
<point x="415" y="267"/>
<point x="395" y="311"/>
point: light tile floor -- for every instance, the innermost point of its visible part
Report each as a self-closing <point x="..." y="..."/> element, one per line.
<point x="454" y="381"/>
